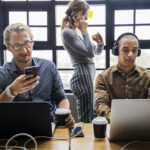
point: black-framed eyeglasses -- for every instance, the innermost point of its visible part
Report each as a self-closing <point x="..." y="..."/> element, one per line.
<point x="18" y="47"/>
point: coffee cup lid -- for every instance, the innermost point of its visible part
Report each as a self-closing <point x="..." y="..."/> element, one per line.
<point x="61" y="111"/>
<point x="99" y="120"/>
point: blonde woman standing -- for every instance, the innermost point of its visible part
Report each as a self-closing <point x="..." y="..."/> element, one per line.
<point x="77" y="42"/>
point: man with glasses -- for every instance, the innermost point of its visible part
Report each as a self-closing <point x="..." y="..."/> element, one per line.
<point x="16" y="86"/>
<point x="123" y="81"/>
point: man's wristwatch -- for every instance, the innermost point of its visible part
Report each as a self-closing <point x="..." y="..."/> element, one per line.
<point x="8" y="93"/>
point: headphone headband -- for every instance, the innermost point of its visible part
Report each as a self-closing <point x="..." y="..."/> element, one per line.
<point x="115" y="47"/>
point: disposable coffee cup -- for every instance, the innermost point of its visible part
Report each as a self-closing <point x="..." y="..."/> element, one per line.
<point x="99" y="127"/>
<point x="61" y="115"/>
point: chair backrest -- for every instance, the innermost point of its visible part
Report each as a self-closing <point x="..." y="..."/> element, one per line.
<point x="73" y="105"/>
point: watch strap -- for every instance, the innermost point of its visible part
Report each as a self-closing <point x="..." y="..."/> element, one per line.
<point x="8" y="93"/>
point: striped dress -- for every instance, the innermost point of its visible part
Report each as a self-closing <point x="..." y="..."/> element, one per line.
<point x="82" y="52"/>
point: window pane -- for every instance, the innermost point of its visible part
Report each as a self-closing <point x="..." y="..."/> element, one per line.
<point x="63" y="59"/>
<point x="144" y="60"/>
<point x="94" y="30"/>
<point x="58" y="36"/>
<point x="143" y="32"/>
<point x="45" y="54"/>
<point x="142" y="16"/>
<point x="100" y="60"/>
<point x="18" y="16"/>
<point x="38" y="18"/>
<point x="99" y="15"/>
<point x="113" y="59"/>
<point x="7" y="56"/>
<point x="121" y="30"/>
<point x="97" y="73"/>
<point x="124" y="17"/>
<point x="66" y="77"/>
<point x="40" y="34"/>
<point x="60" y="14"/>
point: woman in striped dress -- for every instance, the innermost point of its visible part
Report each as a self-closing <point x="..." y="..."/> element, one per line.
<point x="82" y="51"/>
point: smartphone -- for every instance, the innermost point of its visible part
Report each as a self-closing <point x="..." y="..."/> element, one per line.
<point x="73" y="132"/>
<point x="31" y="70"/>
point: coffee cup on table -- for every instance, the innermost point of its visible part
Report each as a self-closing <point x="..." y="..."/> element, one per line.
<point x="99" y="127"/>
<point x="61" y="115"/>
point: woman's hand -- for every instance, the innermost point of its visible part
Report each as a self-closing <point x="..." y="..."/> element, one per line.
<point x="83" y="25"/>
<point x="98" y="38"/>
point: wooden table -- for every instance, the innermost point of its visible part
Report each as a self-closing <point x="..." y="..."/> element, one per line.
<point x="86" y="143"/>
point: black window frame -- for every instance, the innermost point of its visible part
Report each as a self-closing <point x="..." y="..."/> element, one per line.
<point x="49" y="6"/>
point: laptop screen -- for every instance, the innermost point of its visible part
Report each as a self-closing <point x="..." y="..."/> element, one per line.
<point x="130" y="120"/>
<point x="25" y="117"/>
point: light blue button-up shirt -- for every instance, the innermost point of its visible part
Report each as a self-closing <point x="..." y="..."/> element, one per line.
<point x="50" y="87"/>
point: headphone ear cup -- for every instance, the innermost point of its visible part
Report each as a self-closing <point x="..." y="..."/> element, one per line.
<point x="115" y="50"/>
<point x="139" y="51"/>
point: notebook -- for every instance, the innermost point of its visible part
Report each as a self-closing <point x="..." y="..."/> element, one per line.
<point x="25" y="117"/>
<point x="130" y="120"/>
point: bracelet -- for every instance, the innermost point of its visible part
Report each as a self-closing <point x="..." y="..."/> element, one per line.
<point x="101" y="44"/>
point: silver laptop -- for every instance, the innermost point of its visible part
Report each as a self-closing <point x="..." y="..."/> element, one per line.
<point x="25" y="117"/>
<point x="130" y="120"/>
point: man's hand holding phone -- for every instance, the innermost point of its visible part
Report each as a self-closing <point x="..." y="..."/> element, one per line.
<point x="32" y="70"/>
<point x="25" y="82"/>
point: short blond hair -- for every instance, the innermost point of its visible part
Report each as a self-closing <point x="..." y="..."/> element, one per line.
<point x="16" y="27"/>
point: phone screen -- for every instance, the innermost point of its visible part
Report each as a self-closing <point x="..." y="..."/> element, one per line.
<point x="76" y="130"/>
<point x="31" y="70"/>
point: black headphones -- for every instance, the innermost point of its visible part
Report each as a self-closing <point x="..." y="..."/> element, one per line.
<point x="115" y="47"/>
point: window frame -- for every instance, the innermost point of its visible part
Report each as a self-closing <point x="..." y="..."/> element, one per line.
<point x="49" y="6"/>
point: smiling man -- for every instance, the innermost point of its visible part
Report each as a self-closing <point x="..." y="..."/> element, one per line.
<point x="16" y="86"/>
<point x="125" y="80"/>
